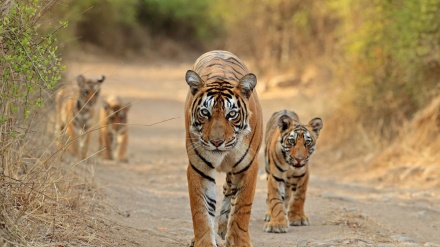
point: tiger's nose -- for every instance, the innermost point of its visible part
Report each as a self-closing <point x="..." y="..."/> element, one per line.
<point x="217" y="143"/>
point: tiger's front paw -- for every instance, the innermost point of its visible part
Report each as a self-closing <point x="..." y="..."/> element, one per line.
<point x="276" y="227"/>
<point x="202" y="244"/>
<point x="299" y="220"/>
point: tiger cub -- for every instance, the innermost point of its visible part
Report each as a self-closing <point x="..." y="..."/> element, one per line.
<point x="224" y="131"/>
<point x="113" y="136"/>
<point x="289" y="145"/>
<point x="75" y="106"/>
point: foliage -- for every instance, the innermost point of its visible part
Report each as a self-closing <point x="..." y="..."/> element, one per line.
<point x="179" y="18"/>
<point x="30" y="187"/>
<point x="29" y="66"/>
<point x="279" y="35"/>
<point x="393" y="60"/>
<point x="119" y="26"/>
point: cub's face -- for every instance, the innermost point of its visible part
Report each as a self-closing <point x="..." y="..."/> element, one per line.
<point x="219" y="115"/>
<point x="89" y="89"/>
<point x="116" y="116"/>
<point x="298" y="141"/>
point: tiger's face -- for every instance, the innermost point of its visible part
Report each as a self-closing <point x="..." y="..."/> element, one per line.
<point x="297" y="140"/>
<point x="89" y="89"/>
<point x="219" y="113"/>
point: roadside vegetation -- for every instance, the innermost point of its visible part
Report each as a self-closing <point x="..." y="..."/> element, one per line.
<point x="42" y="200"/>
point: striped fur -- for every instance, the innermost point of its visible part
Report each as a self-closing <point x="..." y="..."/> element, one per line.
<point x="75" y="107"/>
<point x="113" y="133"/>
<point x="289" y="145"/>
<point x="223" y="123"/>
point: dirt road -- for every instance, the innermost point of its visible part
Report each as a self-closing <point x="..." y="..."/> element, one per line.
<point x="149" y="194"/>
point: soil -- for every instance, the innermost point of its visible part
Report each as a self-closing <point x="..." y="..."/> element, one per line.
<point x="148" y="197"/>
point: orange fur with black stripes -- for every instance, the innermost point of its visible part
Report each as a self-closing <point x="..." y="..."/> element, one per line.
<point x="289" y="145"/>
<point x="223" y="123"/>
<point x="113" y="133"/>
<point x="75" y="105"/>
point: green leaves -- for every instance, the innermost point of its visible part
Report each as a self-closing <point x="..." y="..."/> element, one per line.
<point x="29" y="63"/>
<point x="388" y="51"/>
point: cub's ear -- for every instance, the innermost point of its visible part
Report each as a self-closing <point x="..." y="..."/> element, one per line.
<point x="80" y="80"/>
<point x="194" y="81"/>
<point x="316" y="125"/>
<point x="284" y="122"/>
<point x="247" y="84"/>
<point x="106" y="105"/>
<point x="127" y="106"/>
<point x="101" y="79"/>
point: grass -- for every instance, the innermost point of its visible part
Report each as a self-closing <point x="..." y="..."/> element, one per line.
<point x="43" y="199"/>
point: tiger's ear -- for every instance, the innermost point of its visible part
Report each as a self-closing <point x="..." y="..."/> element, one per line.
<point x="284" y="122"/>
<point x="80" y="80"/>
<point x="247" y="84"/>
<point x="316" y="125"/>
<point x="194" y="81"/>
<point x="101" y="79"/>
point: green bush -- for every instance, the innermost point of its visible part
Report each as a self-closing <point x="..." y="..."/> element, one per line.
<point x="393" y="60"/>
<point x="29" y="67"/>
<point x="187" y="21"/>
<point x="118" y="26"/>
<point x="29" y="70"/>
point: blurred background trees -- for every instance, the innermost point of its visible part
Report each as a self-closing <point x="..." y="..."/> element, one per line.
<point x="380" y="58"/>
<point x="383" y="55"/>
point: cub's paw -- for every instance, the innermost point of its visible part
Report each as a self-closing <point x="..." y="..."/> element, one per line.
<point x="275" y="227"/>
<point x="222" y="228"/>
<point x="123" y="161"/>
<point x="299" y="220"/>
<point x="267" y="217"/>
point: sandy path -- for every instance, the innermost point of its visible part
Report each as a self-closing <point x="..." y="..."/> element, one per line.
<point x="149" y="194"/>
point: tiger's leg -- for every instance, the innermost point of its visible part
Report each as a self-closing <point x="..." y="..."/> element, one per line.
<point x="267" y="168"/>
<point x="122" y="141"/>
<point x="267" y="214"/>
<point x="73" y="139"/>
<point x="84" y="144"/>
<point x="278" y="213"/>
<point x="105" y="144"/>
<point x="297" y="217"/>
<point x="59" y="129"/>
<point x="226" y="207"/>
<point x="243" y="185"/>
<point x="202" y="196"/>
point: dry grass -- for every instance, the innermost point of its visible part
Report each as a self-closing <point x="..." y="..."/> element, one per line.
<point x="43" y="200"/>
<point x="410" y="160"/>
<point x="413" y="159"/>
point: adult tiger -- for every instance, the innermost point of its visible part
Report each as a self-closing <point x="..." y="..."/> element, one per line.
<point x="113" y="133"/>
<point x="223" y="123"/>
<point x="289" y="145"/>
<point x="75" y="106"/>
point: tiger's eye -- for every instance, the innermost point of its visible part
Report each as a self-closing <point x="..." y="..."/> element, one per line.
<point x="232" y="114"/>
<point x="204" y="112"/>
<point x="291" y="141"/>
